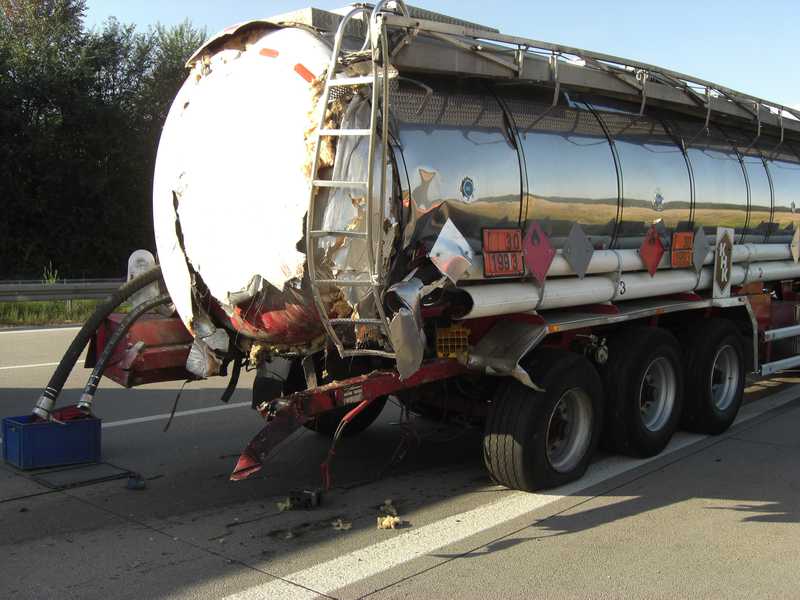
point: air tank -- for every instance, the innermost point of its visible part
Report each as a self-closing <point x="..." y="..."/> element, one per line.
<point x="232" y="179"/>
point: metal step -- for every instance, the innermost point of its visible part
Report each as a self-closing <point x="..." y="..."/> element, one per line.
<point x="779" y="365"/>
<point x="350" y="81"/>
<point x="344" y="282"/>
<point x="350" y="234"/>
<point x="334" y="183"/>
<point x="376" y="322"/>
<point x="781" y="334"/>
<point x="346" y="132"/>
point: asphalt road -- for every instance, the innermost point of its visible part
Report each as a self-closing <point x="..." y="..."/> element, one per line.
<point x="711" y="517"/>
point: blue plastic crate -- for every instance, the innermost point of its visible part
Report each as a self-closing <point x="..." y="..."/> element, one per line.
<point x="29" y="444"/>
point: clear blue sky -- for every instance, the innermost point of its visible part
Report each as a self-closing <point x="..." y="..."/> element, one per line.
<point x="747" y="45"/>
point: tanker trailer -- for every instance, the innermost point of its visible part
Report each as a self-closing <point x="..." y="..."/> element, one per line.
<point x="559" y="244"/>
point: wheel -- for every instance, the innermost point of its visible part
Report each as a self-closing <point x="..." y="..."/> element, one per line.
<point x="536" y="440"/>
<point x="644" y="385"/>
<point x="714" y="376"/>
<point x="326" y="423"/>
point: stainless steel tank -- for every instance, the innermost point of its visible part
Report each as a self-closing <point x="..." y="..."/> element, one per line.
<point x="232" y="181"/>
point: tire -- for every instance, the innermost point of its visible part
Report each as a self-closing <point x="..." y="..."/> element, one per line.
<point x="326" y="423"/>
<point x="523" y="426"/>
<point x="644" y="385"/>
<point x="715" y="376"/>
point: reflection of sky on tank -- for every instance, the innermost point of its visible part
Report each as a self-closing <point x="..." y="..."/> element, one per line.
<point x="786" y="181"/>
<point x="438" y="159"/>
<point x="653" y="172"/>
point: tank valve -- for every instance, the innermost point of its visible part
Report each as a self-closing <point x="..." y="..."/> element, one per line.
<point x="595" y="349"/>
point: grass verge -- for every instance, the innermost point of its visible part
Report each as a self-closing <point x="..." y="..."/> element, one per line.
<point x="46" y="312"/>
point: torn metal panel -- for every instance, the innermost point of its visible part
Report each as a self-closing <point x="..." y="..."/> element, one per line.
<point x="202" y="362"/>
<point x="285" y="418"/>
<point x="285" y="415"/>
<point x="344" y="208"/>
<point x="500" y="351"/>
<point x="452" y="253"/>
<point x="406" y="327"/>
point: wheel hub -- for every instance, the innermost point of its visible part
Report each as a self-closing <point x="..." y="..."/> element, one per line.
<point x="657" y="394"/>
<point x="569" y="430"/>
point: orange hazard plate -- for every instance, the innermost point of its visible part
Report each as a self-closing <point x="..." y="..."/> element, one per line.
<point x="682" y="249"/>
<point x="502" y="252"/>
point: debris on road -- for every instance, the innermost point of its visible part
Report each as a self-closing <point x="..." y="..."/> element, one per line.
<point x="388" y="517"/>
<point x="389" y="522"/>
<point x="301" y="500"/>
<point x="341" y="525"/>
<point x="387" y="508"/>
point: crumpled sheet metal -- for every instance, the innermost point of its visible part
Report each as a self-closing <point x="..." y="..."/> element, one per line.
<point x="500" y="351"/>
<point x="344" y="209"/>
<point x="405" y="329"/>
<point x="240" y="208"/>
<point x="451" y="253"/>
<point x="286" y="418"/>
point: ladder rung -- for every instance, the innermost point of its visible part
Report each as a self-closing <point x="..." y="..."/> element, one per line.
<point x="346" y="81"/>
<point x="345" y="132"/>
<point x="376" y="322"/>
<point x="344" y="282"/>
<point x="333" y="183"/>
<point x="350" y="234"/>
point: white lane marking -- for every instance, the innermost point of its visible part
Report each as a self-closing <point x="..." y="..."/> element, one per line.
<point x="49" y="330"/>
<point x="161" y="417"/>
<point x="340" y="572"/>
<point x="180" y="413"/>
<point x="52" y="364"/>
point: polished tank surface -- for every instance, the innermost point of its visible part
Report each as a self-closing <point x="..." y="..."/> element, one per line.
<point x="785" y="173"/>
<point x="655" y="175"/>
<point x="459" y="161"/>
<point x="506" y="155"/>
<point x="570" y="170"/>
<point x="720" y="187"/>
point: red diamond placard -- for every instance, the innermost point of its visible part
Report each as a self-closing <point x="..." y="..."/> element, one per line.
<point x="651" y="250"/>
<point x="539" y="252"/>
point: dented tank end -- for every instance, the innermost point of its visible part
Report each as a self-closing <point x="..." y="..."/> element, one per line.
<point x="231" y="185"/>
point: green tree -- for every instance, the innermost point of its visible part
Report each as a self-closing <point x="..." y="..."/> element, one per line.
<point x="80" y="116"/>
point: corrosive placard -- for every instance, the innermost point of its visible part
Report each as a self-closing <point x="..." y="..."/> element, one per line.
<point x="723" y="262"/>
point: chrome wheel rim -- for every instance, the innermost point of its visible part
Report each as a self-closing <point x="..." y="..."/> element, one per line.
<point x="724" y="377"/>
<point x="657" y="394"/>
<point x="569" y="430"/>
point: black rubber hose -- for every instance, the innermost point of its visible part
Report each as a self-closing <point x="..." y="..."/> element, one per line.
<point x="48" y="398"/>
<point x="123" y="327"/>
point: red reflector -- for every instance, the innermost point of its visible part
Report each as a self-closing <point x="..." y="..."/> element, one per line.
<point x="269" y="52"/>
<point x="304" y="73"/>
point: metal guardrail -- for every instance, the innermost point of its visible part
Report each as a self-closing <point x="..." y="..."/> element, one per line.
<point x="26" y="291"/>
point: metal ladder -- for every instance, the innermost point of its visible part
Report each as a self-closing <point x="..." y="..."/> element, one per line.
<point x="379" y="82"/>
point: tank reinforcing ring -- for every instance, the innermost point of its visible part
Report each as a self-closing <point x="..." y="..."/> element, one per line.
<point x="724" y="377"/>
<point x="569" y="430"/>
<point x="657" y="394"/>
